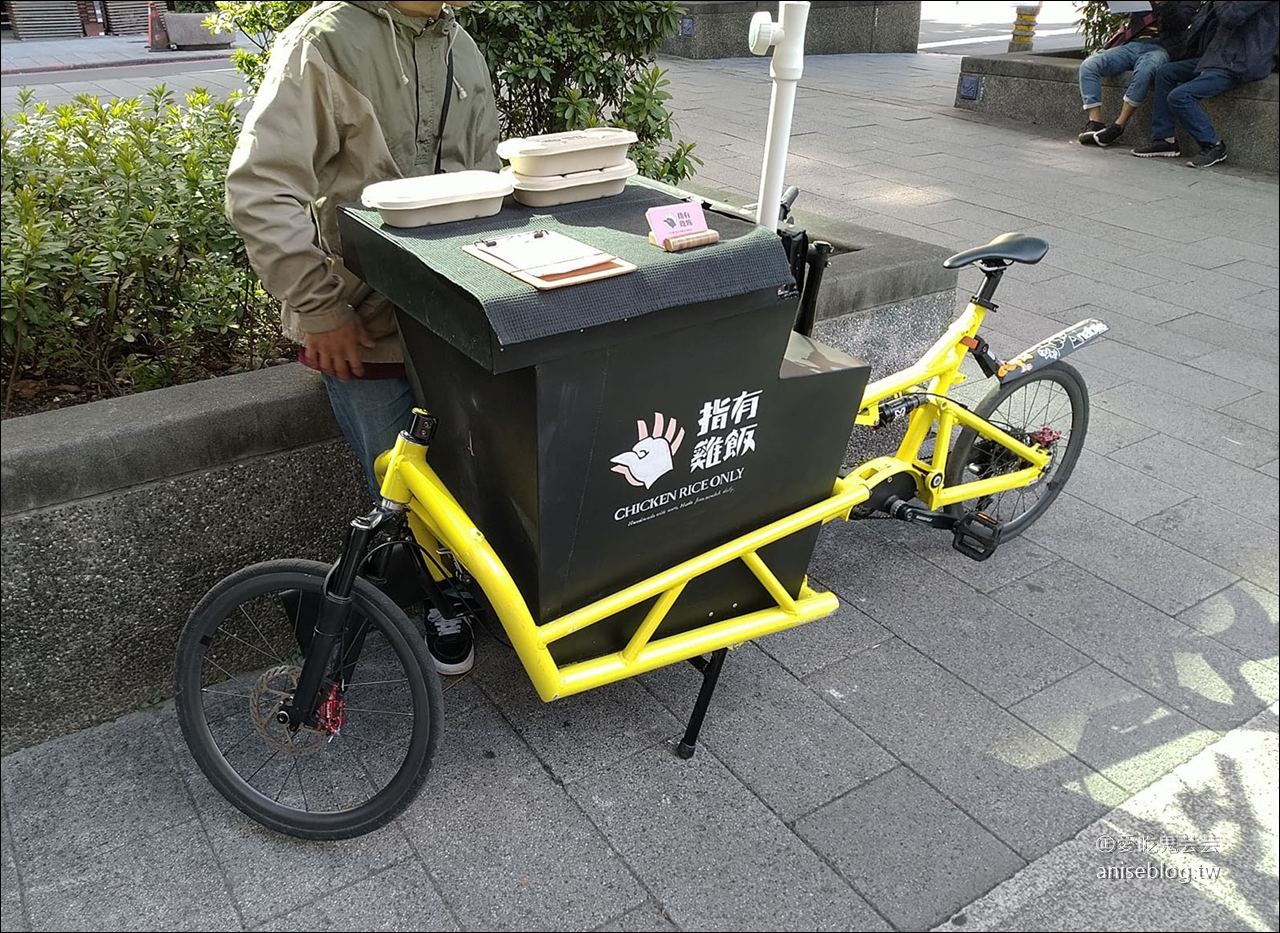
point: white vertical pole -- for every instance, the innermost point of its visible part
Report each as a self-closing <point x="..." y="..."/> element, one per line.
<point x="787" y="35"/>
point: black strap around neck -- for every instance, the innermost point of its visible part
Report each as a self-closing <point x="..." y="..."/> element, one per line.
<point x="444" y="111"/>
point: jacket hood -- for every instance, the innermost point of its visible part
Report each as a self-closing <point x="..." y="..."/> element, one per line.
<point x="381" y="8"/>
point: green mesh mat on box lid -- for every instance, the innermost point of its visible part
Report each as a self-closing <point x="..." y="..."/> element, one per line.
<point x="747" y="258"/>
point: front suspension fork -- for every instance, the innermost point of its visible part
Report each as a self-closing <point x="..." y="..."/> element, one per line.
<point x="332" y="619"/>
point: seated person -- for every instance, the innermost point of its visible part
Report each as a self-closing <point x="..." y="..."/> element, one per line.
<point x="1230" y="43"/>
<point x="1146" y="42"/>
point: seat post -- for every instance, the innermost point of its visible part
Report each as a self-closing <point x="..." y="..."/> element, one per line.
<point x="993" y="275"/>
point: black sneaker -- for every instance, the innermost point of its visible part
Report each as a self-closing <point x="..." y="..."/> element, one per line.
<point x="1158" y="147"/>
<point x="450" y="642"/>
<point x="1209" y="155"/>
<point x="1086" y="138"/>
<point x="1105" y="137"/>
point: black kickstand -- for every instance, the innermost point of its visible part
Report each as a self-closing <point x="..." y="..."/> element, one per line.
<point x="710" y="674"/>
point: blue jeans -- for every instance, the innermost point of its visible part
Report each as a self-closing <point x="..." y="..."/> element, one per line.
<point x="370" y="412"/>
<point x="1142" y="57"/>
<point x="1179" y="91"/>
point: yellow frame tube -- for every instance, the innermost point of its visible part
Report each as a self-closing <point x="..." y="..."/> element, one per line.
<point x="940" y="358"/>
<point x="433" y="510"/>
<point x="437" y="511"/>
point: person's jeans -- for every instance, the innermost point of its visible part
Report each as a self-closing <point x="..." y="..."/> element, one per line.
<point x="1179" y="91"/>
<point x="1143" y="57"/>
<point x="370" y="412"/>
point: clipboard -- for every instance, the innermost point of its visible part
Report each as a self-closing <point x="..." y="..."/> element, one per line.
<point x="547" y="259"/>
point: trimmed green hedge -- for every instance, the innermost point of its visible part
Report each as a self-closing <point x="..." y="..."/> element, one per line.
<point x="119" y="271"/>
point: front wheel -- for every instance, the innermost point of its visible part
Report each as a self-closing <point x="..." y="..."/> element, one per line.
<point x="376" y="719"/>
<point x="1046" y="408"/>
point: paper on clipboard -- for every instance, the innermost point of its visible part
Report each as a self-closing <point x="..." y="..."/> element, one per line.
<point x="543" y="253"/>
<point x="546" y="259"/>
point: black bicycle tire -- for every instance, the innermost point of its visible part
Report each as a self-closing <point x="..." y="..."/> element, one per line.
<point x="957" y="459"/>
<point x="389" y="620"/>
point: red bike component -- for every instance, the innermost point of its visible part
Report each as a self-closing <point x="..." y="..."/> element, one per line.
<point x="333" y="713"/>
<point x="1044" y="437"/>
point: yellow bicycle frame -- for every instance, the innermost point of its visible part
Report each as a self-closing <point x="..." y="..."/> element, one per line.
<point x="436" y="519"/>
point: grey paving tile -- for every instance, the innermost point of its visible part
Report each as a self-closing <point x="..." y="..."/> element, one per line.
<point x="1163" y="575"/>
<point x="1153" y="338"/>
<point x="1096" y="378"/>
<point x="1188" y="671"/>
<point x="1268" y="300"/>
<point x="711" y="853"/>
<point x="1016" y="558"/>
<point x="167" y="881"/>
<point x="1262" y="374"/>
<point x="1108" y="432"/>
<point x="1123" y="491"/>
<point x="759" y="716"/>
<point x="1218" y="252"/>
<point x="1210" y="331"/>
<point x="643" y="919"/>
<point x="1130" y="737"/>
<point x="12" y="907"/>
<point x="583" y="733"/>
<point x="1256" y="310"/>
<point x="1025" y="790"/>
<point x="908" y="850"/>
<point x="1271" y="469"/>
<point x="1169" y="268"/>
<point x="989" y="648"/>
<point x="400" y="897"/>
<point x="1210" y="390"/>
<point x="251" y="857"/>
<point x="1260" y="273"/>
<point x="481" y="826"/>
<point x="1234" y="543"/>
<point x="805" y="648"/>
<point x="1171" y="461"/>
<point x="1260" y="409"/>
<point x="73" y="799"/>
<point x="1243" y="616"/>
<point x="1213" y="431"/>
<point x="961" y="234"/>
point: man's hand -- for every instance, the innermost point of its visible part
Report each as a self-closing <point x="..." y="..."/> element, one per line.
<point x="337" y="351"/>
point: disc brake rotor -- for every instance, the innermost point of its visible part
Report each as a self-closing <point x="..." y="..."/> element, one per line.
<point x="270" y="692"/>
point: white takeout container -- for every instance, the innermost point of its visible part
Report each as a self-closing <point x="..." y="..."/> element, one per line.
<point x="437" y="199"/>
<point x="550" y="190"/>
<point x="568" y="152"/>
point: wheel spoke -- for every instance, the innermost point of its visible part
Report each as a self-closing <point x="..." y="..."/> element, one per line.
<point x="239" y="667"/>
<point x="1041" y="410"/>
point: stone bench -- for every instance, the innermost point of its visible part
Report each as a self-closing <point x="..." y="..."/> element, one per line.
<point x="1043" y="89"/>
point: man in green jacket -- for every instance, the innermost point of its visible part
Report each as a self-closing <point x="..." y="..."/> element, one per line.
<point x="356" y="93"/>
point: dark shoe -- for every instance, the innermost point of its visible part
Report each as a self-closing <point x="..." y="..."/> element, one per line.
<point x="1086" y="138"/>
<point x="1105" y="137"/>
<point x="1158" y="147"/>
<point x="450" y="642"/>
<point x="1210" y="155"/>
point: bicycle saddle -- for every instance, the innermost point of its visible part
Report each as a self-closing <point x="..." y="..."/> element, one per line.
<point x="1010" y="247"/>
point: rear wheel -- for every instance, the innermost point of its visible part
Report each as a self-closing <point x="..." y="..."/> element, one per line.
<point x="369" y="748"/>
<point x="1047" y="408"/>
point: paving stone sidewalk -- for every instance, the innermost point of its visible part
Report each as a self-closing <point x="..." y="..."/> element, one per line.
<point x="949" y="748"/>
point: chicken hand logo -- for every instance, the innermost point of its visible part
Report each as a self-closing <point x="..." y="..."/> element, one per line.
<point x="650" y="458"/>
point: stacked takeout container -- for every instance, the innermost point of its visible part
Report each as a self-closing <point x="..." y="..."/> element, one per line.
<point x="559" y="168"/>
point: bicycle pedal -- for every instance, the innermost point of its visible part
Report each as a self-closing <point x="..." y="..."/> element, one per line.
<point x="976" y="535"/>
